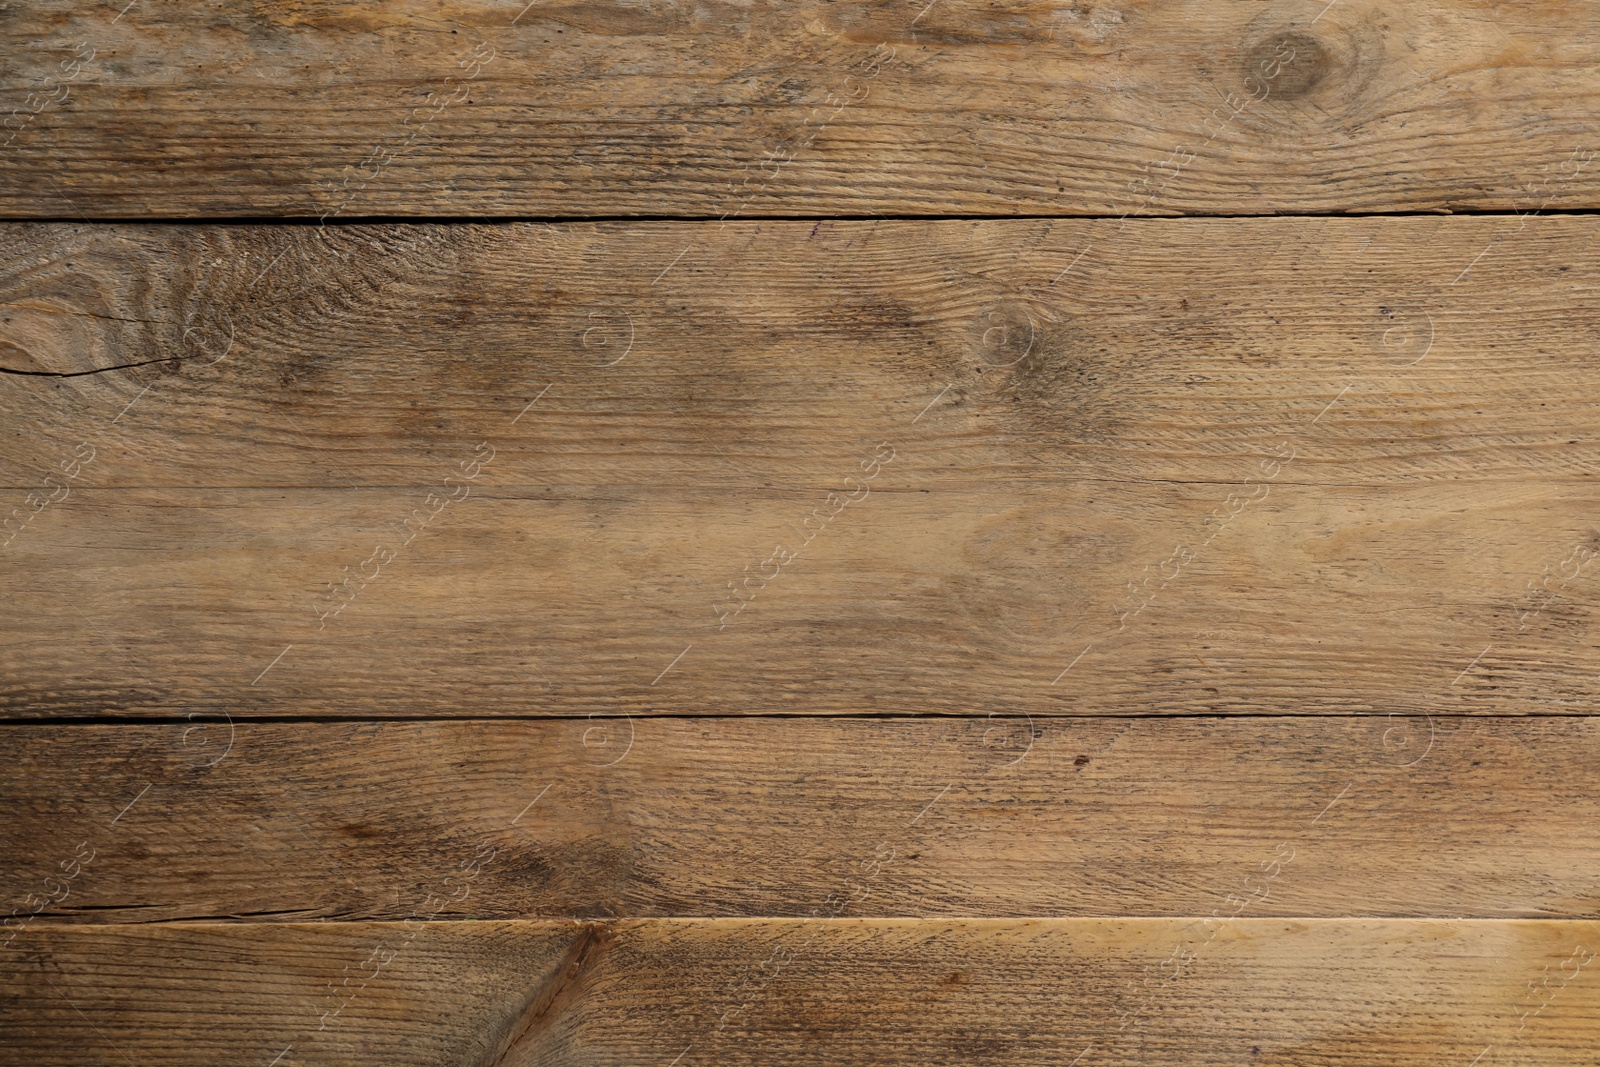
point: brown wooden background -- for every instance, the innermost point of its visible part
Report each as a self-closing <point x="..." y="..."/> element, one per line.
<point x="684" y="532"/>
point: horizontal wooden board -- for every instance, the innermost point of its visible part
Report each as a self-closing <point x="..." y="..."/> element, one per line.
<point x="750" y="817"/>
<point x="566" y="107"/>
<point x="1093" y="992"/>
<point x="1185" y="466"/>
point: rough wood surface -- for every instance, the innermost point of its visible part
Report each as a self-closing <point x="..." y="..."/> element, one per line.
<point x="823" y="468"/>
<point x="749" y="817"/>
<point x="1287" y="992"/>
<point x="567" y="107"/>
<point x="1044" y="641"/>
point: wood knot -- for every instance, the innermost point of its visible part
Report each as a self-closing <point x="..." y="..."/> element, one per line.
<point x="1005" y="334"/>
<point x="42" y="336"/>
<point x="1287" y="63"/>
<point x="1010" y="588"/>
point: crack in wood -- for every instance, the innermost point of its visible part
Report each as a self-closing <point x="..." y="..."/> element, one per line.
<point x="547" y="1000"/>
<point x="84" y="373"/>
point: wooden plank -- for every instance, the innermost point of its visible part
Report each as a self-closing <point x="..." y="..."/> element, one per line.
<point x="243" y="993"/>
<point x="569" y="108"/>
<point x="749" y="817"/>
<point x="1181" y="467"/>
<point x="1107" y="991"/>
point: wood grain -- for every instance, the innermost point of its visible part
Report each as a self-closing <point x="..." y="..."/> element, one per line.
<point x="749" y="817"/>
<point x="1174" y="467"/>
<point x="567" y="107"/>
<point x="1300" y="992"/>
<point x="704" y="639"/>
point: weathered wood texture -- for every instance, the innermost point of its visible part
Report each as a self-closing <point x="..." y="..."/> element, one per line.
<point x="749" y="817"/>
<point x="1306" y="993"/>
<point x="812" y="468"/>
<point x="669" y="107"/>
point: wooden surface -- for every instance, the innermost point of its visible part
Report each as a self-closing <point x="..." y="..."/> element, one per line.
<point x="799" y="533"/>
<point x="1379" y="815"/>
<point x="570" y="108"/>
<point x="1299" y="992"/>
<point x="760" y="816"/>
<point x="903" y="468"/>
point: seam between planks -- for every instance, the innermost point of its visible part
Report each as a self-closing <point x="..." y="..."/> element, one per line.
<point x="311" y="221"/>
